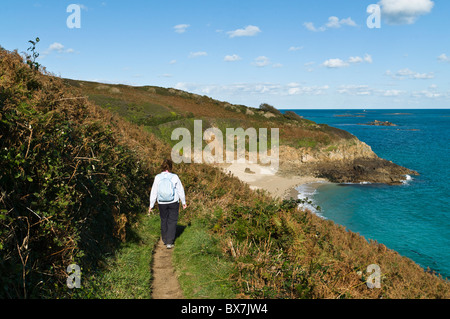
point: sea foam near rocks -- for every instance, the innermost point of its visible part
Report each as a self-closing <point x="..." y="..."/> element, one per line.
<point x="306" y="193"/>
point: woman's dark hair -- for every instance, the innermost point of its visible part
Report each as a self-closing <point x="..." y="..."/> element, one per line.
<point x="166" y="165"/>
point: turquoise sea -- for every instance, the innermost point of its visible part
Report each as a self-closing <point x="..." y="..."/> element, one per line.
<point x="412" y="219"/>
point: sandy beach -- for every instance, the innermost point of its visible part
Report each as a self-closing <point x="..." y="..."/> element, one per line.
<point x="262" y="177"/>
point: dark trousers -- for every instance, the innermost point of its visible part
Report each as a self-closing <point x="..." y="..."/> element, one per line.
<point x="169" y="219"/>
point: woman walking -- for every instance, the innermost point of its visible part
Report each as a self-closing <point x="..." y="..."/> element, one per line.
<point x="168" y="191"/>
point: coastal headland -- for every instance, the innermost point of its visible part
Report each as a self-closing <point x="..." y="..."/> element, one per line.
<point x="350" y="162"/>
<point x="308" y="151"/>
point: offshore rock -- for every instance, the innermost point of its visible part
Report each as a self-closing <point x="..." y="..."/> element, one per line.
<point x="379" y="123"/>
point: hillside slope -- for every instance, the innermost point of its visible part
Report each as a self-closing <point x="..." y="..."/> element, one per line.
<point x="72" y="180"/>
<point x="306" y="148"/>
<point x="75" y="181"/>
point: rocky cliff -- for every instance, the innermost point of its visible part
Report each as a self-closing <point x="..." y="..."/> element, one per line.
<point x="349" y="161"/>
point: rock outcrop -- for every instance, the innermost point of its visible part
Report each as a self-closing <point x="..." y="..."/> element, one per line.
<point x="379" y="123"/>
<point x="350" y="161"/>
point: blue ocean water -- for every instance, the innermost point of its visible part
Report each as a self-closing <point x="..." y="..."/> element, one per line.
<point x="414" y="218"/>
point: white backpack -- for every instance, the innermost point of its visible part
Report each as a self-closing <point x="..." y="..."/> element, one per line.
<point x="166" y="191"/>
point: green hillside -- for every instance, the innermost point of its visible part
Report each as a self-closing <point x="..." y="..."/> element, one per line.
<point x="159" y="110"/>
<point x="337" y="155"/>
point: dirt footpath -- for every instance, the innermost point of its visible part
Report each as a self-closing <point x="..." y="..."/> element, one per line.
<point x="165" y="283"/>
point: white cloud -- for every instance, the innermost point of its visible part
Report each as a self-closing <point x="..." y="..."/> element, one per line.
<point x="248" y="31"/>
<point x="296" y="89"/>
<point x="183" y="86"/>
<point x="57" y="47"/>
<point x="365" y="90"/>
<point x="310" y="26"/>
<point x="357" y="59"/>
<point x="261" y="61"/>
<point x="409" y="74"/>
<point x="355" y="90"/>
<point x="339" y="63"/>
<point x="232" y="89"/>
<point x="292" y="49"/>
<point x="405" y="73"/>
<point x="430" y="94"/>
<point x="181" y="28"/>
<point x="232" y="58"/>
<point x="443" y="58"/>
<point x="241" y="90"/>
<point x="333" y="23"/>
<point x="253" y="89"/>
<point x="173" y="62"/>
<point x="404" y="11"/>
<point x="197" y="54"/>
<point x="391" y="93"/>
<point x="368" y="58"/>
<point x="349" y="22"/>
<point x="335" y="63"/>
<point x="423" y="76"/>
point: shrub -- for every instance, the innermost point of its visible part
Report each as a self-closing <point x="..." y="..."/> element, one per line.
<point x="292" y="116"/>
<point x="30" y="58"/>
<point x="69" y="183"/>
<point x="269" y="108"/>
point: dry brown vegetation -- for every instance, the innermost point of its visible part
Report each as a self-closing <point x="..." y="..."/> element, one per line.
<point x="278" y="250"/>
<point x="71" y="179"/>
<point x="152" y="103"/>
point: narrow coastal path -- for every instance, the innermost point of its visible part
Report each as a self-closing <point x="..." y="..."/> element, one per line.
<point x="165" y="283"/>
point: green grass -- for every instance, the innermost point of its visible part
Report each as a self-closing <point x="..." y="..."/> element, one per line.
<point x="204" y="272"/>
<point x="307" y="143"/>
<point x="128" y="274"/>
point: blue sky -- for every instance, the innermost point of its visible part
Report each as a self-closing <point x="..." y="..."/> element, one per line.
<point x="291" y="54"/>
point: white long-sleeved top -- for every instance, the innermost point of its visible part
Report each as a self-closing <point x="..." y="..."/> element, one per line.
<point x="179" y="190"/>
